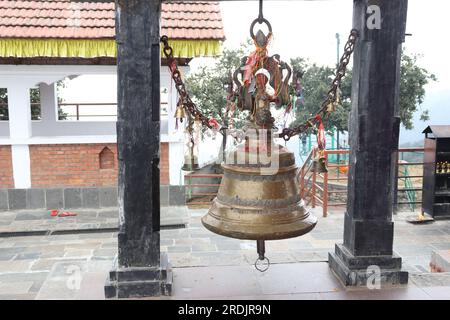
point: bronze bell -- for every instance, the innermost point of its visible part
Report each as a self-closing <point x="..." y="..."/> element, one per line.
<point x="258" y="197"/>
<point x="257" y="202"/>
<point x="331" y="107"/>
<point x="180" y="113"/>
<point x="319" y="165"/>
<point x="190" y="162"/>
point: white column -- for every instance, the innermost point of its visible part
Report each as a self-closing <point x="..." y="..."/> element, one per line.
<point x="176" y="159"/>
<point x="20" y="131"/>
<point x="49" y="102"/>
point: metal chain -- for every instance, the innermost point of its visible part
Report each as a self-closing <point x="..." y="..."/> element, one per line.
<point x="332" y="94"/>
<point x="179" y="85"/>
<point x="287" y="133"/>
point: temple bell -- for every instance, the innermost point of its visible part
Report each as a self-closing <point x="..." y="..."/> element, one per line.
<point x="258" y="198"/>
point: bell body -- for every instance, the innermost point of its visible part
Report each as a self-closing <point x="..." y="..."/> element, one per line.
<point x="259" y="200"/>
<point x="190" y="163"/>
<point x="180" y="113"/>
<point x="319" y="166"/>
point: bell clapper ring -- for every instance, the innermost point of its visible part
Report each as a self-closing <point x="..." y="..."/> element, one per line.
<point x="262" y="263"/>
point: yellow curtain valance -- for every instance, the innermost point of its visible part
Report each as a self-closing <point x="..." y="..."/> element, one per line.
<point x="93" y="48"/>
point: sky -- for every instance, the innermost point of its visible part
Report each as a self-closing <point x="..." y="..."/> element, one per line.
<point x="308" y="29"/>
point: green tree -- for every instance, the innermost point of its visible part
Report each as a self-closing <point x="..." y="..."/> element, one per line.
<point x="208" y="89"/>
<point x="316" y="83"/>
<point x="3" y="104"/>
<point x="35" y="99"/>
<point x="413" y="80"/>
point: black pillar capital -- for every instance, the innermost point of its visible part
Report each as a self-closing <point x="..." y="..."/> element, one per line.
<point x="373" y="138"/>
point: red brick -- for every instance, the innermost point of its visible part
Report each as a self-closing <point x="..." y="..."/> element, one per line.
<point x="79" y="165"/>
<point x="6" y="175"/>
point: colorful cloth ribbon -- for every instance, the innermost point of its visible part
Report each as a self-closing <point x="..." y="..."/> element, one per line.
<point x="321" y="140"/>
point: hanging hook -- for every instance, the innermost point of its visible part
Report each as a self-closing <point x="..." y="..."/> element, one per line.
<point x="260" y="20"/>
<point x="260" y="16"/>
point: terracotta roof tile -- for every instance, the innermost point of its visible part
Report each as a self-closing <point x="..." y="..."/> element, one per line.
<point x="66" y="19"/>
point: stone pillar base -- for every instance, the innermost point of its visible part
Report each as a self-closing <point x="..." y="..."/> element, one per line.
<point x="140" y="282"/>
<point x="353" y="271"/>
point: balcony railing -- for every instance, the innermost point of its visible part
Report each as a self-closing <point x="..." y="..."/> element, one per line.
<point x="77" y="111"/>
<point x="77" y="114"/>
<point x="72" y="111"/>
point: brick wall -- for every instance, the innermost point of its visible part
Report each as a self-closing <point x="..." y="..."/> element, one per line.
<point x="81" y="165"/>
<point x="6" y="173"/>
<point x="164" y="163"/>
<point x="70" y="165"/>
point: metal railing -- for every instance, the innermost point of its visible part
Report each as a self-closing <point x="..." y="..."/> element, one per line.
<point x="77" y="114"/>
<point x="199" y="193"/>
<point x="317" y="188"/>
<point x="307" y="179"/>
<point x="405" y="173"/>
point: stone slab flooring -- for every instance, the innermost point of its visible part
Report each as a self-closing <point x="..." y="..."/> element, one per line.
<point x="75" y="265"/>
<point x="24" y="221"/>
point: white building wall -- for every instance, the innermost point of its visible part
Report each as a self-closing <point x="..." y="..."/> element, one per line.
<point x="20" y="131"/>
<point x="4" y="129"/>
<point x="176" y="159"/>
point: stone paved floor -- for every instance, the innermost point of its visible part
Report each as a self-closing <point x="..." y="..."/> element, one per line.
<point x="86" y="219"/>
<point x="74" y="266"/>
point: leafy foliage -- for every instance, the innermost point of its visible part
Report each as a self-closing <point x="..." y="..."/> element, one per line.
<point x="208" y="89"/>
<point x="413" y="80"/>
<point x="316" y="83"/>
<point x="3" y="104"/>
<point x="208" y="86"/>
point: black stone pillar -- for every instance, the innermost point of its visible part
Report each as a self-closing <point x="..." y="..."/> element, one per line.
<point x="374" y="131"/>
<point x="139" y="271"/>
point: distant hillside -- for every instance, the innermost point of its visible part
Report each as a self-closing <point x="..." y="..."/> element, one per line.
<point x="438" y="102"/>
<point x="417" y="144"/>
<point x="410" y="156"/>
